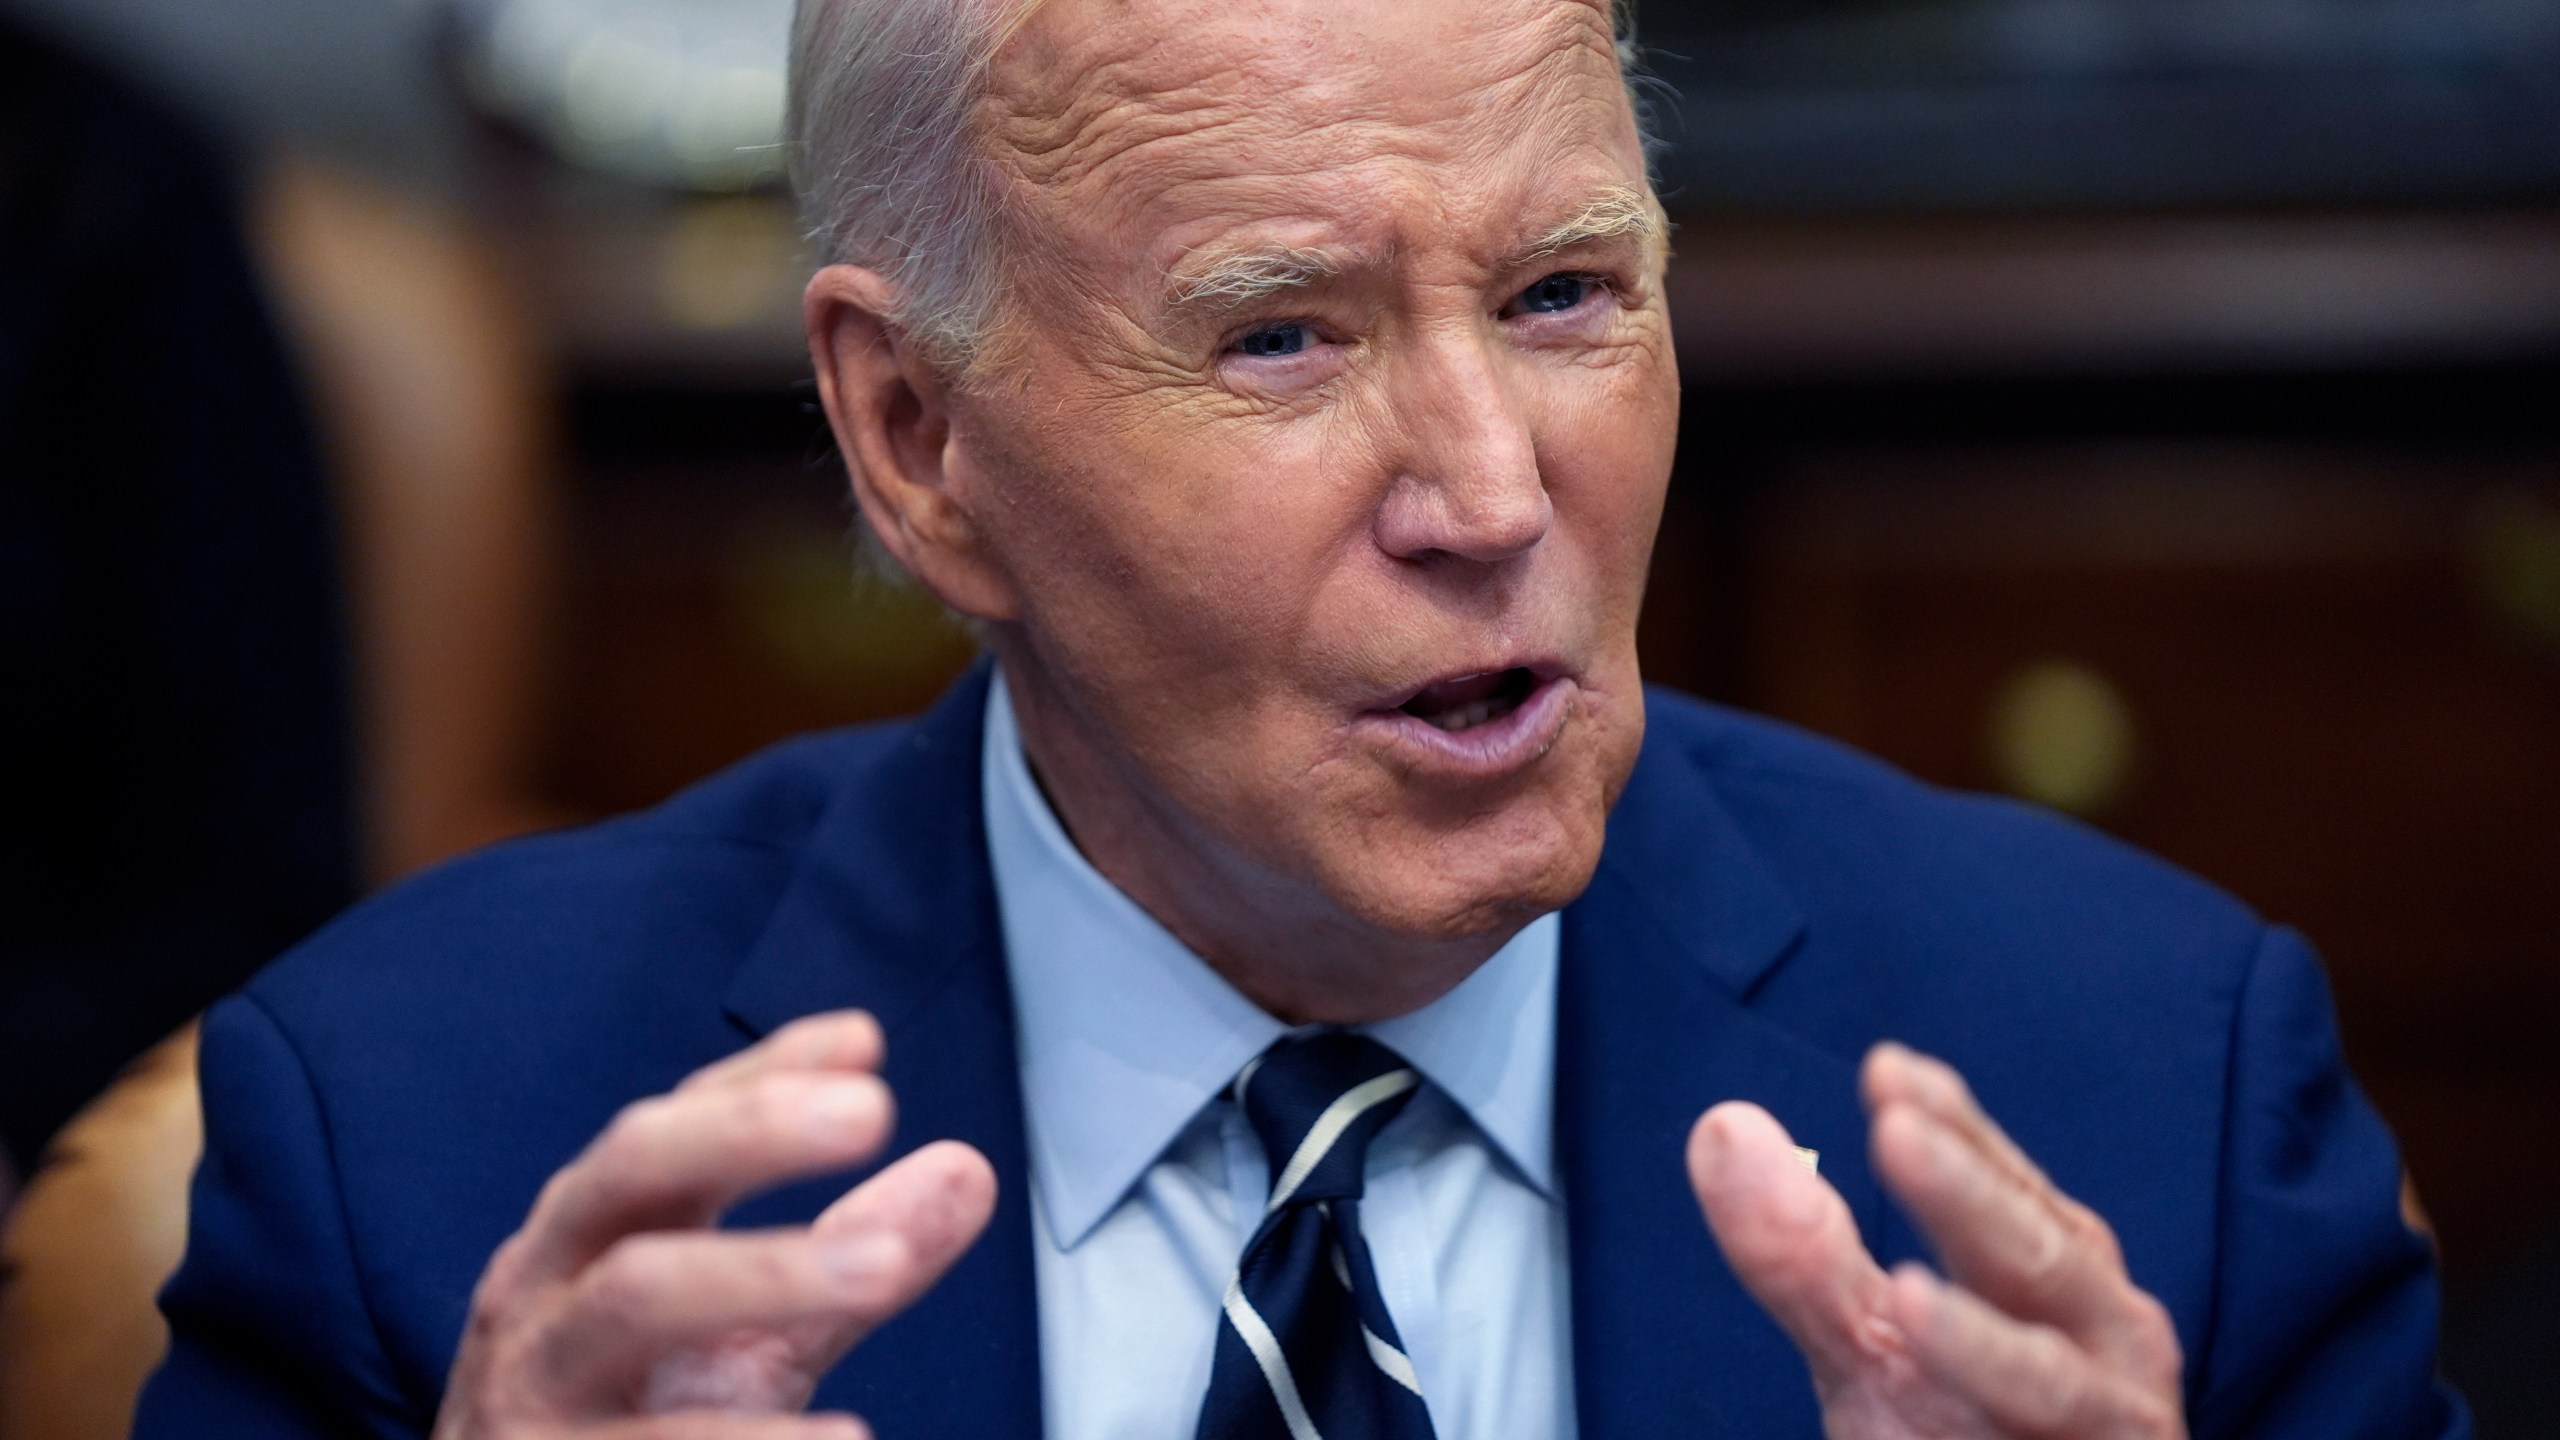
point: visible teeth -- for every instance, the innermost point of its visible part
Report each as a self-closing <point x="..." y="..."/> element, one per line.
<point x="1465" y="717"/>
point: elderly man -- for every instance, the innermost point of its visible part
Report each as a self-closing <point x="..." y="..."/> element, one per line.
<point x="1300" y="958"/>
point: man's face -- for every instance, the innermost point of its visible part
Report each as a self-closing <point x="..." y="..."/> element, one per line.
<point x="1325" y="448"/>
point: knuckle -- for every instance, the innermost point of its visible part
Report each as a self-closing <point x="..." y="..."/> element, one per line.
<point x="486" y="1327"/>
<point x="634" y="1127"/>
<point x="2072" y="1247"/>
<point x="2055" y="1390"/>
<point x="492" y="1313"/>
<point x="555" y="1191"/>
<point x="2155" y="1354"/>
<point x="503" y="1294"/>
<point x="626" y="1276"/>
<point x="2046" y="1261"/>
<point x="516" y="1356"/>
<point x="2154" y="1417"/>
<point x="2092" y="1234"/>
<point x="778" y="1272"/>
<point x="503" y="1275"/>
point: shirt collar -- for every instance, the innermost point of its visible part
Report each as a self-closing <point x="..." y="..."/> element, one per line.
<point x="1125" y="1034"/>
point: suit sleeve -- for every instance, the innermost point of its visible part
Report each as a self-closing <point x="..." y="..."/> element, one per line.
<point x="270" y="1335"/>
<point x="2324" y="1320"/>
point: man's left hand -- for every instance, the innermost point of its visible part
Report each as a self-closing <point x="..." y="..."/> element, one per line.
<point x="2036" y="1330"/>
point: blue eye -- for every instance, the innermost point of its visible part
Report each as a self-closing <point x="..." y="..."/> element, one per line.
<point x="1554" y="295"/>
<point x="1274" y="340"/>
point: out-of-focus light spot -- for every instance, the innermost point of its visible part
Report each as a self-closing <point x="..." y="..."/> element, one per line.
<point x="727" y="263"/>
<point x="725" y="135"/>
<point x="2062" y="735"/>
<point x="607" y="91"/>
<point x="2515" y="563"/>
<point x="814" y="616"/>
<point x="685" y="93"/>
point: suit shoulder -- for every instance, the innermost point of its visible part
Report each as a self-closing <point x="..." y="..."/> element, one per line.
<point x="1863" y="841"/>
<point x="665" y="898"/>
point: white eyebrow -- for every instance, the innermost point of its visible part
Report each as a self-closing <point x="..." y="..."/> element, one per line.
<point x="1222" y="280"/>
<point x="1608" y="214"/>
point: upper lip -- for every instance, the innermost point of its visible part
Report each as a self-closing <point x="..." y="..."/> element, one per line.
<point x="1541" y="669"/>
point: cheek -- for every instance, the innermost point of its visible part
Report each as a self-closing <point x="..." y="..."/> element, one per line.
<point x="1196" y="551"/>
<point x="1605" y="444"/>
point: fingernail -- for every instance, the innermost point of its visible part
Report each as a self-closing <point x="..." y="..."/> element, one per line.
<point x="868" y="1256"/>
<point x="836" y="1108"/>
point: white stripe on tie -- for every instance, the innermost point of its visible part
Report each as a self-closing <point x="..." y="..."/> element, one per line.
<point x="1275" y="1365"/>
<point x="1337" y="1117"/>
<point x="1391" y="1360"/>
<point x="1245" y="1076"/>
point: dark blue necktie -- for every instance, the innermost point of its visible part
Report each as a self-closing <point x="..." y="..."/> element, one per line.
<point x="1305" y="1348"/>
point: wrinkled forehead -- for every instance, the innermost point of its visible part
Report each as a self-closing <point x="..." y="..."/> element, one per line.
<point x="1150" y="115"/>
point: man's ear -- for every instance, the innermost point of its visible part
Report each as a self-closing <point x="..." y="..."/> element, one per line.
<point x="889" y="407"/>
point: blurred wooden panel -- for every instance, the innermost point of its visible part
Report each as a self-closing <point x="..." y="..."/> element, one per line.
<point x="716" y="605"/>
<point x="2338" y="674"/>
<point x="1933" y="297"/>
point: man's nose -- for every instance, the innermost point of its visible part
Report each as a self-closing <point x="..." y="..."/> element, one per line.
<point x="1469" y="484"/>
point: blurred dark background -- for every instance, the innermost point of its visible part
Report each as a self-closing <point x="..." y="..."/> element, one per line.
<point x="2147" y="407"/>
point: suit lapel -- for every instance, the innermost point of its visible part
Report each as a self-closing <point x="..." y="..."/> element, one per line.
<point x="893" y="910"/>
<point x="1662" y="955"/>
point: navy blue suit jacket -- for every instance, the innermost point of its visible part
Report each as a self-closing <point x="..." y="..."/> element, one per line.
<point x="382" y="1105"/>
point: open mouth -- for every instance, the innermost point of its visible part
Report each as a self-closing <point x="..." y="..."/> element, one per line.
<point x="1467" y="701"/>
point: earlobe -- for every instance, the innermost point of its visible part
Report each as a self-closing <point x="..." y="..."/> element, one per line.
<point x="889" y="408"/>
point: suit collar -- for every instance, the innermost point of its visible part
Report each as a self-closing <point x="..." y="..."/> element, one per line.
<point x="892" y="894"/>
<point x="1679" y="865"/>
<point x="1683" y="926"/>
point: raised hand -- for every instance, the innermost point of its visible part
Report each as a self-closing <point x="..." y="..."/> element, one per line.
<point x="2036" y="1331"/>
<point x="618" y="1311"/>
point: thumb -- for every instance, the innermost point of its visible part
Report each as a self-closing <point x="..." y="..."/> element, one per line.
<point x="935" y="1203"/>
<point x="1791" y="1241"/>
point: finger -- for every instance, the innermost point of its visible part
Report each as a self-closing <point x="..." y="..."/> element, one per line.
<point x="2005" y="1230"/>
<point x="702" y="1425"/>
<point x="653" y="1294"/>
<point x="837" y="1040"/>
<point x="2031" y="1380"/>
<point x="1996" y="1234"/>
<point x="1791" y="1240"/>
<point x="1895" y="1072"/>
<point x="678" y="1160"/>
<point x="2023" y="1246"/>
<point x="936" y="1202"/>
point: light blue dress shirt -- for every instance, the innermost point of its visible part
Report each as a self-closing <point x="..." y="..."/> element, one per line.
<point x="1146" y="1180"/>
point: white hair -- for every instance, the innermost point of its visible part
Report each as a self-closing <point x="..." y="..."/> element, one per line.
<point x="884" y="155"/>
<point x="885" y="159"/>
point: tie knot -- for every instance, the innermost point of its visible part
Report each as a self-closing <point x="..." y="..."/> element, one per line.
<point x="1317" y="1101"/>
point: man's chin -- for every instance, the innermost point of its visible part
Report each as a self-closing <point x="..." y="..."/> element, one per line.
<point x="1428" y="866"/>
<point x="1454" y="891"/>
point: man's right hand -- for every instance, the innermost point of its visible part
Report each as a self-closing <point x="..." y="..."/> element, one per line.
<point x="618" y="1311"/>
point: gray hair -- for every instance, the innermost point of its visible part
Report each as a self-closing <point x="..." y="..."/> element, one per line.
<point x="885" y="160"/>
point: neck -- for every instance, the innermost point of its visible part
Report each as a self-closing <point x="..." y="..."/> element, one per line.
<point x="1278" y="939"/>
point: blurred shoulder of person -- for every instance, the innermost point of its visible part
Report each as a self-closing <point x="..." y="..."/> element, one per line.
<point x="169" y="591"/>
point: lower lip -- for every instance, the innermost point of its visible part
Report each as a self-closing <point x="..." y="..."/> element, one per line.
<point x="1489" y="751"/>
